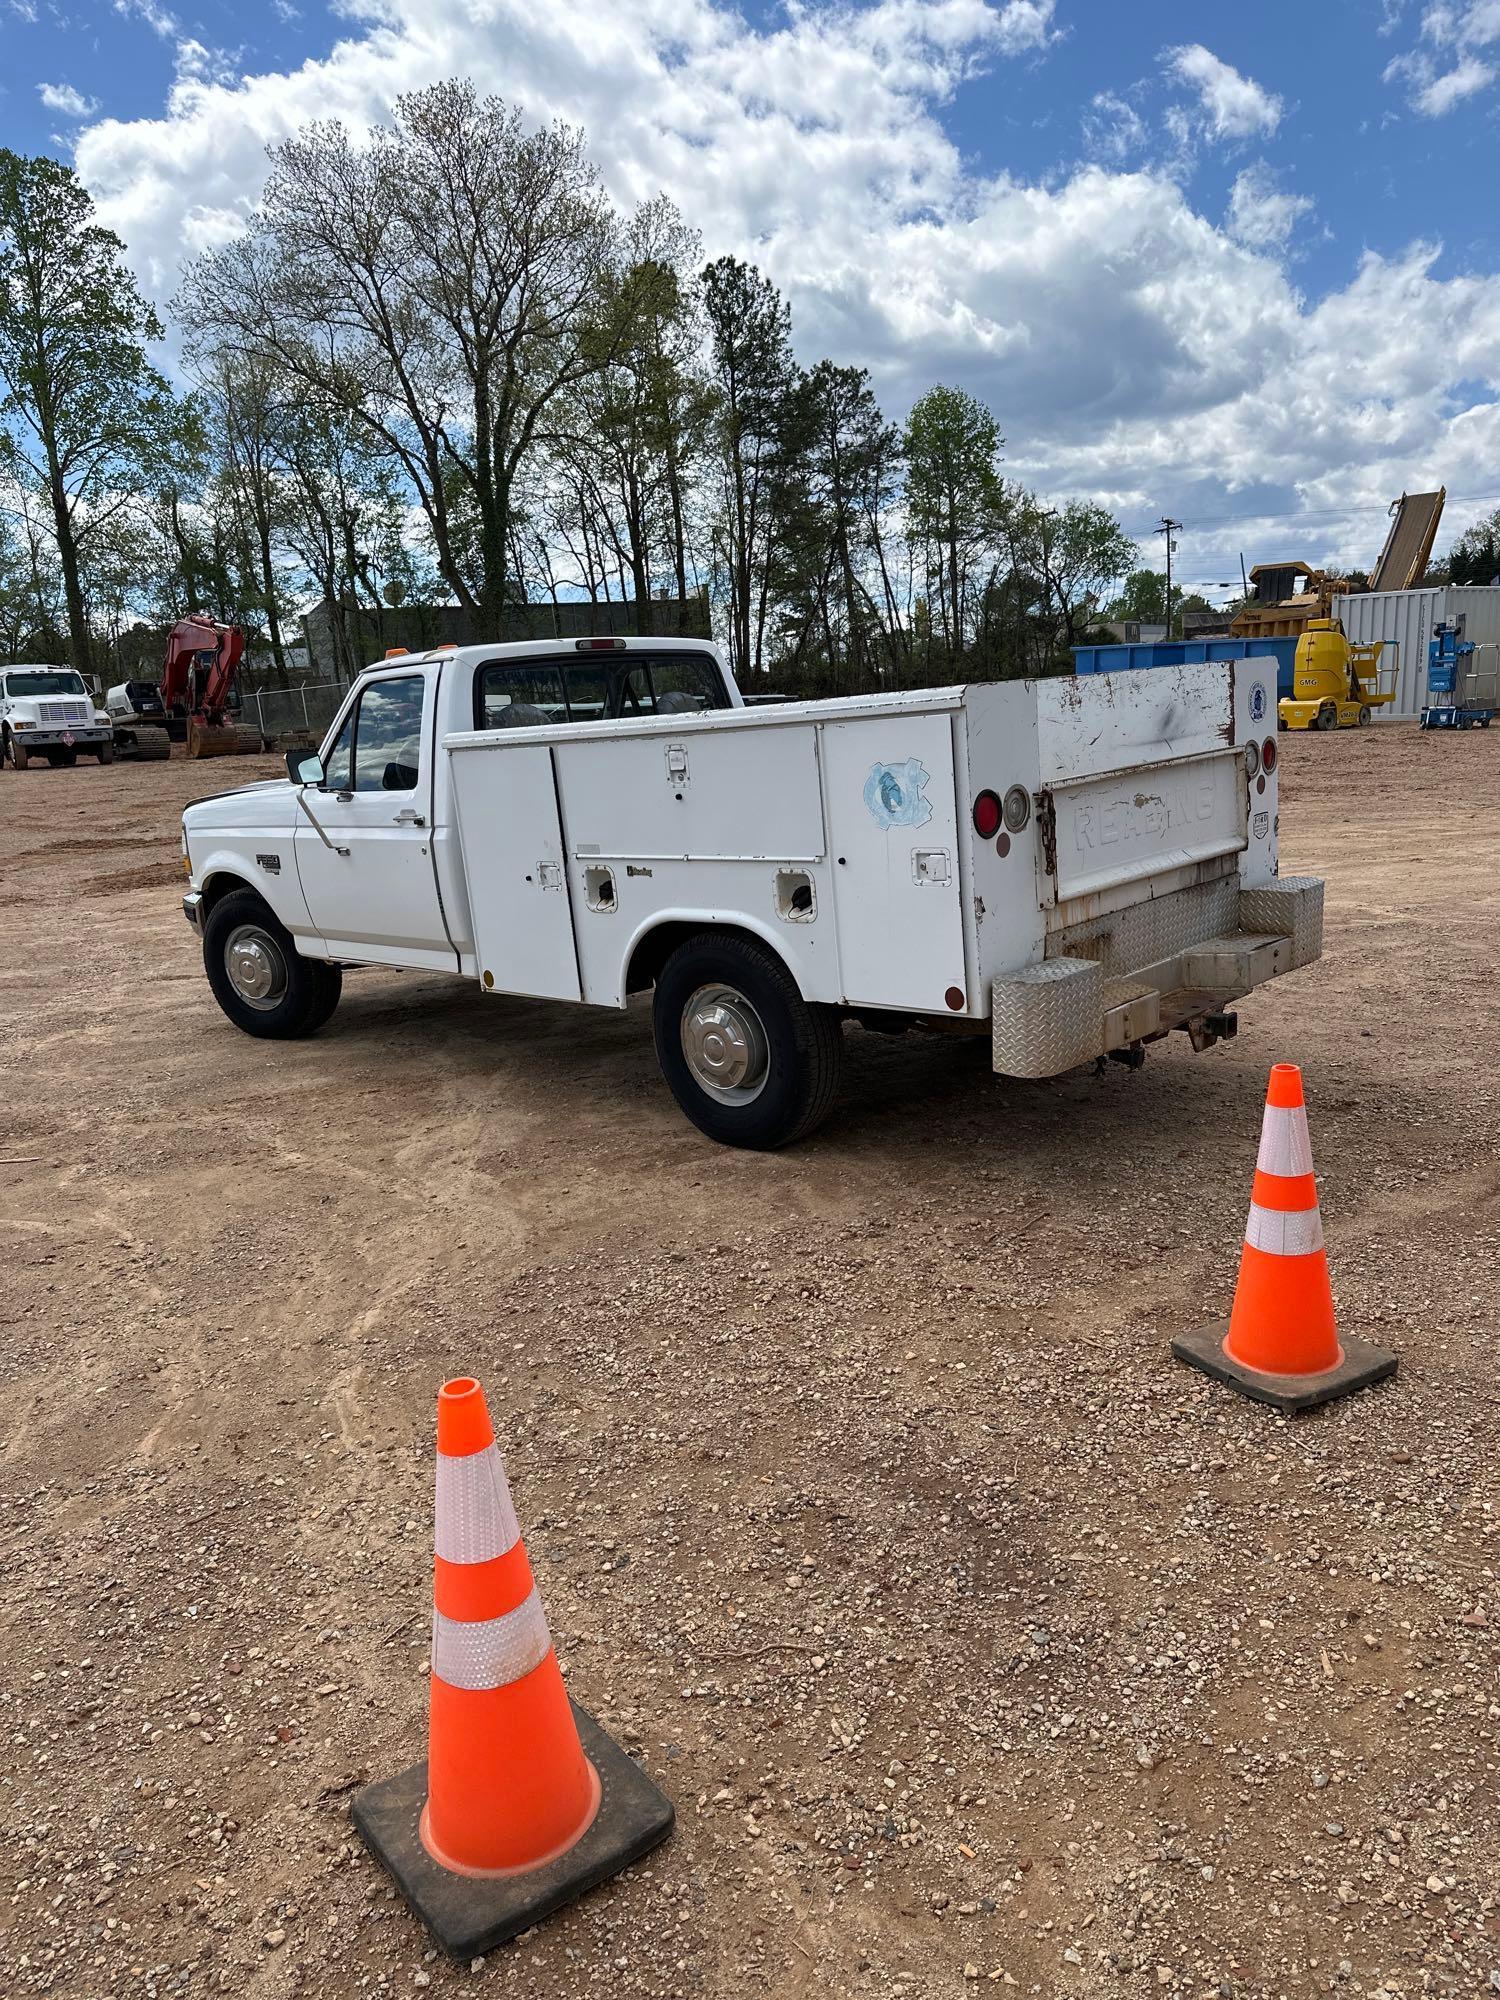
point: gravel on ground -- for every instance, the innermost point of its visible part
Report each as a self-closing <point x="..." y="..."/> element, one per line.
<point x="982" y="1647"/>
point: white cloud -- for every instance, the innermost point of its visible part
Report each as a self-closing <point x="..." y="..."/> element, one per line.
<point x="1234" y="106"/>
<point x="1132" y="349"/>
<point x="1261" y="213"/>
<point x="1466" y="26"/>
<point x="1440" y="93"/>
<point x="1112" y="128"/>
<point x="1453" y="34"/>
<point x="155" y="16"/>
<point x="1025" y="24"/>
<point x="64" y="98"/>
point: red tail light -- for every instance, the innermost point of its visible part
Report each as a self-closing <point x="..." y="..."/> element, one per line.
<point x="599" y="645"/>
<point x="987" y="815"/>
<point x="1268" y="754"/>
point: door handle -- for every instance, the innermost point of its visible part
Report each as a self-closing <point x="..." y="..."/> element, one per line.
<point x="407" y="817"/>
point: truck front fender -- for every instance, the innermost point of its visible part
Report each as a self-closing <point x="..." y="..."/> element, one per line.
<point x="223" y="870"/>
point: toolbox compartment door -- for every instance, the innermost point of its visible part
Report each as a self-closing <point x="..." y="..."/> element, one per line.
<point x="888" y="783"/>
<point x="506" y="805"/>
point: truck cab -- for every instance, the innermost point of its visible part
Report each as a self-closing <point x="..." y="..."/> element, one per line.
<point x="47" y="711"/>
<point x="364" y="859"/>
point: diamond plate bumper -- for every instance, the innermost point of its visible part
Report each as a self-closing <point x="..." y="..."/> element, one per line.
<point x="1053" y="1016"/>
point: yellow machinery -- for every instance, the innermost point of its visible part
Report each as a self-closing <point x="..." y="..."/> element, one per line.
<point x="1335" y="685"/>
<point x="1285" y="598"/>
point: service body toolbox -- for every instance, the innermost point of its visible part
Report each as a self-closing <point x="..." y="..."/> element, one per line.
<point x="1086" y="862"/>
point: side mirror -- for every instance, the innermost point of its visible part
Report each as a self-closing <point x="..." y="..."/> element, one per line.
<point x="304" y="767"/>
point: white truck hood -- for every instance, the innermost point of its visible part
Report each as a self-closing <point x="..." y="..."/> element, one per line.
<point x="270" y="803"/>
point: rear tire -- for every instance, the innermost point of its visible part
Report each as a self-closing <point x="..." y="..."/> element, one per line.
<point x="257" y="975"/>
<point x="746" y="1057"/>
<point x="62" y="760"/>
<point x="1328" y="717"/>
<point x="1364" y="716"/>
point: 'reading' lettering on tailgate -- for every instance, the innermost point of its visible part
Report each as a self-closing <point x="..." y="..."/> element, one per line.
<point x="1120" y="821"/>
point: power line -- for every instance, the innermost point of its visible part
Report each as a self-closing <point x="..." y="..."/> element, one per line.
<point x="1309" y="513"/>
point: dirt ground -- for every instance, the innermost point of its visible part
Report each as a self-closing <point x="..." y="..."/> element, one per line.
<point x="979" y="1645"/>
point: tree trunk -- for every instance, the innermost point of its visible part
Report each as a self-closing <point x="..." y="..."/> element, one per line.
<point x="80" y="647"/>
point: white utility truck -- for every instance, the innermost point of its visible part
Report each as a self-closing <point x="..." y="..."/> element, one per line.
<point x="49" y="712"/>
<point x="1070" y="867"/>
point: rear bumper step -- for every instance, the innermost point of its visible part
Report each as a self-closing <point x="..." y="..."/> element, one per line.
<point x="1051" y="1017"/>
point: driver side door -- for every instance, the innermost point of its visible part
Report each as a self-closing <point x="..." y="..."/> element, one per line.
<point x="371" y="887"/>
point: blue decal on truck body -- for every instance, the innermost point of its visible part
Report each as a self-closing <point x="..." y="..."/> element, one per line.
<point x="893" y="793"/>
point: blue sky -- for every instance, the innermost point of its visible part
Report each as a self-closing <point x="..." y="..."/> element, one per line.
<point x="1239" y="264"/>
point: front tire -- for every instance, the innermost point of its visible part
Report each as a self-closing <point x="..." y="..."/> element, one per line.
<point x="746" y="1057"/>
<point x="16" y="754"/>
<point x="257" y="975"/>
<point x="106" y="753"/>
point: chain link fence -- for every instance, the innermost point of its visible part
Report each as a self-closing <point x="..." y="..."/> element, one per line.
<point x="296" y="711"/>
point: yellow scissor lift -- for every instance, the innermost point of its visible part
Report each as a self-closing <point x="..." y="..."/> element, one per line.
<point x="1336" y="685"/>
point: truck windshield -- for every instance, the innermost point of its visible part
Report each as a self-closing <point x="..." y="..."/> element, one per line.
<point x="45" y="680"/>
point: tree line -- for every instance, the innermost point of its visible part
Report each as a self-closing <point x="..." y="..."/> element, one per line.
<point x="439" y="365"/>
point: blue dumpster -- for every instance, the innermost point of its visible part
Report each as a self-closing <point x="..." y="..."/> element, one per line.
<point x="1182" y="652"/>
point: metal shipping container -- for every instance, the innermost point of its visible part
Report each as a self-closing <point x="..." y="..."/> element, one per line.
<point x="1408" y="617"/>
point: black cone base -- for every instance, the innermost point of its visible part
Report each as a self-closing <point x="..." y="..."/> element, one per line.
<point x="468" y="1916"/>
<point x="1363" y="1363"/>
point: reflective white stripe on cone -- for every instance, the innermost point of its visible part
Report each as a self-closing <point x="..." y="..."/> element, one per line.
<point x="1285" y="1147"/>
<point x="490" y="1652"/>
<point x="476" y="1519"/>
<point x="1286" y="1232"/>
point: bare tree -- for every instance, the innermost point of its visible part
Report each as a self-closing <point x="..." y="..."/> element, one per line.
<point x="442" y="282"/>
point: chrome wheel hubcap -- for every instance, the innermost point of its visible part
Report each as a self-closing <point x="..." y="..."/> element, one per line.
<point x="725" y="1044"/>
<point x="256" y="968"/>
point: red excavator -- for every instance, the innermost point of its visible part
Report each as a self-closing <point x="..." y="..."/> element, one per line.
<point x="203" y="661"/>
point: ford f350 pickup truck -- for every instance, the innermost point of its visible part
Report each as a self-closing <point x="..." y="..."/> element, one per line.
<point x="1071" y="867"/>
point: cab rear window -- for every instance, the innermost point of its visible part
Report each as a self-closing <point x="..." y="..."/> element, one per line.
<point x="531" y="694"/>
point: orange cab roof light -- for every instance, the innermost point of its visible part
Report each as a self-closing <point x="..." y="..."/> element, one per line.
<point x="395" y="652"/>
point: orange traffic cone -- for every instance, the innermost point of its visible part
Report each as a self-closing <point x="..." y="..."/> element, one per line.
<point x="523" y="1802"/>
<point x="1281" y="1345"/>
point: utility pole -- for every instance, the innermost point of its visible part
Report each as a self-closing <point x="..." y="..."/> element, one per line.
<point x="1169" y="528"/>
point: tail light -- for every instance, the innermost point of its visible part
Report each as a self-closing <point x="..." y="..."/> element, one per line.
<point x="599" y="645"/>
<point x="988" y="813"/>
<point x="1268" y="754"/>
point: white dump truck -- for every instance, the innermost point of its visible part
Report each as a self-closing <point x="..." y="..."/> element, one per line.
<point x="48" y="712"/>
<point x="1069" y="867"/>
